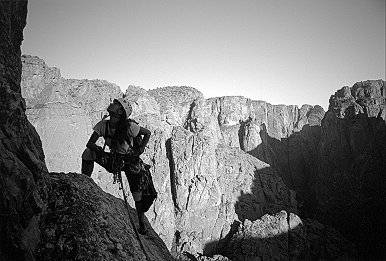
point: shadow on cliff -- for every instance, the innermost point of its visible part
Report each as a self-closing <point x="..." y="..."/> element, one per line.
<point x="252" y="206"/>
<point x="308" y="241"/>
<point x="295" y="159"/>
<point x="264" y="199"/>
<point x="242" y="247"/>
<point x="351" y="182"/>
<point x="286" y="246"/>
<point x="267" y="239"/>
<point x="338" y="174"/>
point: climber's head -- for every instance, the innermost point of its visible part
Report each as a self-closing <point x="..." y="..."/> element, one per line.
<point x="119" y="109"/>
<point x="126" y="106"/>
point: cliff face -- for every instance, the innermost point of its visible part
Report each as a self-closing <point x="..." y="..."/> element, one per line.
<point x="285" y="137"/>
<point x="63" y="110"/>
<point x="22" y="167"/>
<point x="207" y="156"/>
<point x="214" y="186"/>
<point x="352" y="166"/>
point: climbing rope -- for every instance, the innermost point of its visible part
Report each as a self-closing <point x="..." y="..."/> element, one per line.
<point x="118" y="165"/>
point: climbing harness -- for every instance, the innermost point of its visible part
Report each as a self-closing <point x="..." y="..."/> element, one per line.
<point x="118" y="163"/>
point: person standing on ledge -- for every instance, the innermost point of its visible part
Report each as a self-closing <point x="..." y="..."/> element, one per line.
<point x="119" y="133"/>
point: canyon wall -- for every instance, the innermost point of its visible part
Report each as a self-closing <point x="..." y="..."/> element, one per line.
<point x="208" y="157"/>
<point x="350" y="183"/>
<point x="211" y="192"/>
<point x="22" y="167"/>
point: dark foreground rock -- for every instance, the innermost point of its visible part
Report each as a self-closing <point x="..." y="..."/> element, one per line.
<point x="22" y="167"/>
<point x="84" y="223"/>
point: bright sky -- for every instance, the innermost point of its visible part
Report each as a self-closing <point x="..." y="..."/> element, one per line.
<point x="281" y="51"/>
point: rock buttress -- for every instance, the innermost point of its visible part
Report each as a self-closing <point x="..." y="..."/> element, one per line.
<point x="350" y="188"/>
<point x="22" y="167"/>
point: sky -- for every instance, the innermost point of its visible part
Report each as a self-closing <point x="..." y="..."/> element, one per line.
<point x="289" y="52"/>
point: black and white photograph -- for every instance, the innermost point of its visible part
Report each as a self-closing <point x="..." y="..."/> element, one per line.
<point x="192" y="130"/>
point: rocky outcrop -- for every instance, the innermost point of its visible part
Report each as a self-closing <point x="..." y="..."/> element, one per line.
<point x="43" y="85"/>
<point x="22" y="167"/>
<point x="286" y="137"/>
<point x="175" y="103"/>
<point x="286" y="237"/>
<point x="211" y="186"/>
<point x="281" y="236"/>
<point x="85" y="223"/>
<point x="63" y="111"/>
<point x="351" y="166"/>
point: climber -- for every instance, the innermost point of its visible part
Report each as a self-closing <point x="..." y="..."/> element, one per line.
<point x="119" y="133"/>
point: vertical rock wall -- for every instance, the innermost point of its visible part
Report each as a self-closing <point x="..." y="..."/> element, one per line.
<point x="286" y="137"/>
<point x="217" y="185"/>
<point x="351" y="173"/>
<point x="22" y="167"/>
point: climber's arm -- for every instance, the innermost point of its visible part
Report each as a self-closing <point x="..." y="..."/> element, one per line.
<point x="91" y="144"/>
<point x="146" y="137"/>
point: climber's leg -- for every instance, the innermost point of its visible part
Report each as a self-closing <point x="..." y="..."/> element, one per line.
<point x="88" y="158"/>
<point x="87" y="167"/>
<point x="141" y="215"/>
